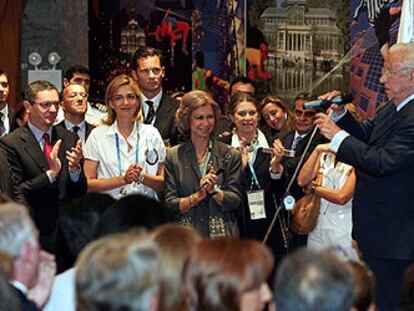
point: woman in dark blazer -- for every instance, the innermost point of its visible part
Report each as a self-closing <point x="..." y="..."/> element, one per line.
<point x="202" y="181"/>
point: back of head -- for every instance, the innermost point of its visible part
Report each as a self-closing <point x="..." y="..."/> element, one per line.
<point x="132" y="211"/>
<point x="364" y="286"/>
<point x="80" y="219"/>
<point x="16" y="228"/>
<point x="244" y="81"/>
<point x="175" y="243"/>
<point x="119" y="272"/>
<point x="313" y="281"/>
<point x="219" y="271"/>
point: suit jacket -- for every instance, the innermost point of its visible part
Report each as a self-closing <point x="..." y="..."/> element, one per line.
<point x="165" y="119"/>
<point x="25" y="304"/>
<point x="290" y="164"/>
<point x="88" y="128"/>
<point x="182" y="178"/>
<point x="382" y="151"/>
<point x="12" y="120"/>
<point x="31" y="185"/>
<point x="6" y="175"/>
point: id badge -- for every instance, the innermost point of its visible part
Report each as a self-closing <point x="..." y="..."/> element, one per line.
<point x="256" y="202"/>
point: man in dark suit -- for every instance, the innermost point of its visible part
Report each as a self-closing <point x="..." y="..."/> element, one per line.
<point x="44" y="161"/>
<point x="382" y="151"/>
<point x="74" y="104"/>
<point x="158" y="108"/>
<point x="32" y="270"/>
<point x="5" y="173"/>
<point x="7" y="114"/>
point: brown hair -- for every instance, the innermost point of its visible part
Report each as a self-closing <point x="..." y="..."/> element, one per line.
<point x="35" y="87"/>
<point x="114" y="85"/>
<point x="175" y="242"/>
<point x="219" y="271"/>
<point x="364" y="285"/>
<point x="190" y="102"/>
<point x="239" y="98"/>
<point x="271" y="99"/>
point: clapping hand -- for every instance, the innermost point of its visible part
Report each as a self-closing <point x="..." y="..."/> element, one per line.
<point x="209" y="181"/>
<point x="55" y="165"/>
<point x="74" y="156"/>
<point x="277" y="156"/>
<point x="132" y="173"/>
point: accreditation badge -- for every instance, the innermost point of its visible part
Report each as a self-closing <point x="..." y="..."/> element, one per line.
<point x="255" y="198"/>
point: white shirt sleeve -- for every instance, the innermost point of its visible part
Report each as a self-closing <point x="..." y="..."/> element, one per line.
<point x="158" y="144"/>
<point x="90" y="150"/>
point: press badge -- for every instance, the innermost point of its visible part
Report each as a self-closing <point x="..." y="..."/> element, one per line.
<point x="256" y="202"/>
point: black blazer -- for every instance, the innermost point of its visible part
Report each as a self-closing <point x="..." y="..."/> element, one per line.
<point x="382" y="152"/>
<point x="25" y="304"/>
<point x="165" y="119"/>
<point x="6" y="175"/>
<point x="88" y="128"/>
<point x="31" y="185"/>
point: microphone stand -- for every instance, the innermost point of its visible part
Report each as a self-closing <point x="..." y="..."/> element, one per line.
<point x="292" y="179"/>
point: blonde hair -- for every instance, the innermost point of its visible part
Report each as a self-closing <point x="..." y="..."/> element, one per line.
<point x="113" y="86"/>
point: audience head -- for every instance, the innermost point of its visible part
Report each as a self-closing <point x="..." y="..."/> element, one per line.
<point x="42" y="103"/>
<point x="22" y="116"/>
<point x="119" y="272"/>
<point x="80" y="219"/>
<point x="4" y="88"/>
<point x="243" y="112"/>
<point x="228" y="274"/>
<point x="364" y="286"/>
<point x="178" y="95"/>
<point x="242" y="84"/>
<point x="310" y="280"/>
<point x="74" y="101"/>
<point x="275" y="113"/>
<point x="303" y="118"/>
<point x="122" y="93"/>
<point x="130" y="212"/>
<point x="78" y="74"/>
<point x="19" y="239"/>
<point x="148" y="70"/>
<point x="175" y="243"/>
<point x="197" y="108"/>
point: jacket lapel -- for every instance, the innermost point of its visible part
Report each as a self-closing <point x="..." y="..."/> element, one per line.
<point x="32" y="148"/>
<point x="162" y="114"/>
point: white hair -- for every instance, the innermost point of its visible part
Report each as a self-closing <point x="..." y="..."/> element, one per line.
<point x="16" y="228"/>
<point x="406" y="52"/>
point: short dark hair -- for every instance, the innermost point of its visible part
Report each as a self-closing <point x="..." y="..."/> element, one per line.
<point x="3" y="73"/>
<point x="313" y="281"/>
<point x="80" y="218"/>
<point x="244" y="80"/>
<point x="38" y="86"/>
<point x="76" y="69"/>
<point x="144" y="52"/>
<point x="130" y="212"/>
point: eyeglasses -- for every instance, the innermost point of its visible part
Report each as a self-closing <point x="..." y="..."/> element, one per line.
<point x="120" y="98"/>
<point x="48" y="105"/>
<point x="386" y="71"/>
<point x="306" y="113"/>
<point x="76" y="94"/>
<point x="146" y="72"/>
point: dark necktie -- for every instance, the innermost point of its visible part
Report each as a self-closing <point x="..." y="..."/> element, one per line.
<point x="75" y="130"/>
<point x="150" y="113"/>
<point x="47" y="148"/>
<point x="295" y="142"/>
<point x="2" y="128"/>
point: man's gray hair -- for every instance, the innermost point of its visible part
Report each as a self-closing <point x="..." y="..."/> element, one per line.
<point x="121" y="271"/>
<point x="406" y="50"/>
<point x="16" y="228"/>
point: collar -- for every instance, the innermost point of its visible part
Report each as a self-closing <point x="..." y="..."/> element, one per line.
<point x="156" y="100"/>
<point x="38" y="133"/>
<point x="113" y="129"/>
<point x="261" y="140"/>
<point x="69" y="125"/>
<point x="20" y="286"/>
<point x="300" y="135"/>
<point x="404" y="102"/>
<point x="5" y="111"/>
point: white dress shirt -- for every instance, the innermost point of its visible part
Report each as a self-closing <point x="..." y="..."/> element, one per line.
<point x="101" y="147"/>
<point x="5" y="119"/>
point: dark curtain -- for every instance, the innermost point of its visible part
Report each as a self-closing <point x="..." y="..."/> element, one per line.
<point x="11" y="15"/>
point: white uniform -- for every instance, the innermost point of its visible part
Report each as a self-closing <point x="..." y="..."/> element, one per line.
<point x="334" y="226"/>
<point x="114" y="158"/>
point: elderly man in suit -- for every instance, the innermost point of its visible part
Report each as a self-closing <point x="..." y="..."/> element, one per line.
<point x="158" y="108"/>
<point x="74" y="104"/>
<point x="44" y="160"/>
<point x="7" y="114"/>
<point x="382" y="151"/>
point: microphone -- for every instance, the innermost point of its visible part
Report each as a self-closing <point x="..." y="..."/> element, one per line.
<point x="325" y="104"/>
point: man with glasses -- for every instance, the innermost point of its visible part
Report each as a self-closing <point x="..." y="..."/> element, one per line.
<point x="158" y="108"/>
<point x="382" y="151"/>
<point x="295" y="141"/>
<point x="7" y="115"/>
<point x="74" y="104"/>
<point x="44" y="161"/>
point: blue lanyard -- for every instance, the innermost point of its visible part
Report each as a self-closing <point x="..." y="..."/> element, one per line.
<point x="203" y="167"/>
<point x="254" y="176"/>
<point x="118" y="154"/>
